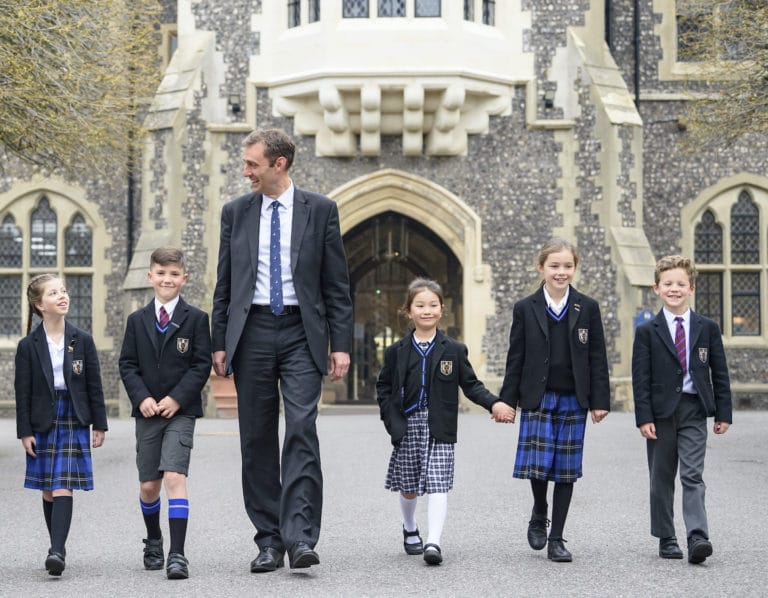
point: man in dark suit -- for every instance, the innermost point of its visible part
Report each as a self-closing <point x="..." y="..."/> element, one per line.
<point x="282" y="297"/>
<point x="679" y="378"/>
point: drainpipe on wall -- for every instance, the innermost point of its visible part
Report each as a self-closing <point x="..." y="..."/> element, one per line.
<point x="609" y="24"/>
<point x="637" y="53"/>
<point x="131" y="184"/>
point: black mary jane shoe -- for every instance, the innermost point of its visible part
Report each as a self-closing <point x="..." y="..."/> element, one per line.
<point x="413" y="547"/>
<point x="432" y="554"/>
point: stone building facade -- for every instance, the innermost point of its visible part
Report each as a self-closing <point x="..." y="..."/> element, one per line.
<point x="456" y="138"/>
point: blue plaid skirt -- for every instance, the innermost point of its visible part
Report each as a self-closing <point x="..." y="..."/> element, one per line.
<point x="63" y="453"/>
<point x="550" y="444"/>
<point x="420" y="464"/>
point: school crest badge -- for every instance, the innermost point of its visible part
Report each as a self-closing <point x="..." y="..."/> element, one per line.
<point x="77" y="366"/>
<point x="583" y="335"/>
<point x="446" y="368"/>
<point x="703" y="354"/>
<point x="182" y="345"/>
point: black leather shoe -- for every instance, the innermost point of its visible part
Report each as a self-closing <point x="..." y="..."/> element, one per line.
<point x="537" y="531"/>
<point x="54" y="563"/>
<point x="432" y="554"/>
<point x="268" y="560"/>
<point x="153" y="554"/>
<point x="416" y="547"/>
<point x="302" y="556"/>
<point x="177" y="566"/>
<point x="698" y="549"/>
<point x="669" y="549"/>
<point x="557" y="552"/>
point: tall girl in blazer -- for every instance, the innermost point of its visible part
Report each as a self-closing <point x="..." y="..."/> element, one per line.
<point x="418" y="395"/>
<point x="58" y="398"/>
<point x="556" y="371"/>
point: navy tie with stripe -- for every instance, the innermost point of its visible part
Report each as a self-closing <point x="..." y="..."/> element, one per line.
<point x="275" y="270"/>
<point x="680" y="342"/>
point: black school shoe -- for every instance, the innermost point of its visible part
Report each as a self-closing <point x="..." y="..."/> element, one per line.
<point x="557" y="552"/>
<point x="669" y="549"/>
<point x="698" y="549"/>
<point x="537" y="531"/>
<point x="177" y="566"/>
<point x="432" y="554"/>
<point x="54" y="563"/>
<point x="416" y="547"/>
<point x="153" y="554"/>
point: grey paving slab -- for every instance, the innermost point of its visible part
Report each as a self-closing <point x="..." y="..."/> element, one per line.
<point x="360" y="547"/>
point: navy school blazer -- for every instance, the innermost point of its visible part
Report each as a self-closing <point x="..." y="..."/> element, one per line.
<point x="33" y="382"/>
<point x="525" y="377"/>
<point x="657" y="378"/>
<point x="178" y="365"/>
<point x="449" y="370"/>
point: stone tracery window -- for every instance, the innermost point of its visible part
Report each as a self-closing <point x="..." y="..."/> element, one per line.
<point x="731" y="254"/>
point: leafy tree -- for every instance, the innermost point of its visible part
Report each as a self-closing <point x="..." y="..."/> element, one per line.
<point x="72" y="75"/>
<point x="727" y="43"/>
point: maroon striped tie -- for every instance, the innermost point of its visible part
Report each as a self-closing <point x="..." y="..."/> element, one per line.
<point x="680" y="342"/>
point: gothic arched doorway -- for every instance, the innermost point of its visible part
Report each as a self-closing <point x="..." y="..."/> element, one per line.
<point x="385" y="253"/>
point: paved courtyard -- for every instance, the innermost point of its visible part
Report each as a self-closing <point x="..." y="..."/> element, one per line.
<point x="486" y="553"/>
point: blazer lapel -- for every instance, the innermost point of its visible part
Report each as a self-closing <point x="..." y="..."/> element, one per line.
<point x="438" y="351"/>
<point x="540" y="311"/>
<point x="71" y="339"/>
<point x="179" y="315"/>
<point x="41" y="348"/>
<point x="150" y="320"/>
<point x="299" y="224"/>
<point x="662" y="331"/>
<point x="574" y="309"/>
<point x="251" y="227"/>
<point x="694" y="330"/>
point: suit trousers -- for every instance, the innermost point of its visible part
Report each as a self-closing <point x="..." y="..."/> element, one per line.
<point x="681" y="438"/>
<point x="283" y="493"/>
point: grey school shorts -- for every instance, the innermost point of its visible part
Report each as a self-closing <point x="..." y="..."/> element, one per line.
<point x="163" y="445"/>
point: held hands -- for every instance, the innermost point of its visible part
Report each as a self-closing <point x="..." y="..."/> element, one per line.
<point x="148" y="407"/>
<point x="598" y="415"/>
<point x="502" y="413"/>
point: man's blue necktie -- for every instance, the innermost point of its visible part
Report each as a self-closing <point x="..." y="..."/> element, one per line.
<point x="275" y="272"/>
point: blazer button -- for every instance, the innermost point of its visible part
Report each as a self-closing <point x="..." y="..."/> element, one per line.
<point x="678" y="389"/>
<point x="543" y="378"/>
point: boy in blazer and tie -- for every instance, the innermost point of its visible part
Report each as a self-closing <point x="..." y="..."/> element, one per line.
<point x="164" y="364"/>
<point x="679" y="378"/>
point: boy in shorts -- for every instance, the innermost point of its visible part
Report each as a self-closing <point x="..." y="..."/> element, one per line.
<point x="164" y="364"/>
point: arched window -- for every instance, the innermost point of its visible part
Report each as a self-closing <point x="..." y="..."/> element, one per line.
<point x="42" y="242"/>
<point x="44" y="233"/>
<point x="729" y="250"/>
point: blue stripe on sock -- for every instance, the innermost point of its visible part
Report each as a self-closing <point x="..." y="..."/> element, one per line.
<point x="149" y="508"/>
<point x="178" y="508"/>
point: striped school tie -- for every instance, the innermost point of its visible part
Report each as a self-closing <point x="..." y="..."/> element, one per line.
<point x="680" y="342"/>
<point x="162" y="320"/>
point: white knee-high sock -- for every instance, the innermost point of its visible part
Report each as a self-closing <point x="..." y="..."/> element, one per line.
<point x="408" y="509"/>
<point x="437" y="509"/>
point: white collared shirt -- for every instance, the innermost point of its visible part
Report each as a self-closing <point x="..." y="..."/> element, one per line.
<point x="285" y="211"/>
<point x="56" y="351"/>
<point x="672" y="325"/>
<point x="557" y="306"/>
<point x="169" y="307"/>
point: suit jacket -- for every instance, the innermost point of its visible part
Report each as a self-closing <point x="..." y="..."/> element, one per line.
<point x="318" y="267"/>
<point x="33" y="381"/>
<point x="449" y="370"/>
<point x="525" y="378"/>
<point x="657" y="378"/>
<point x="178" y="365"/>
